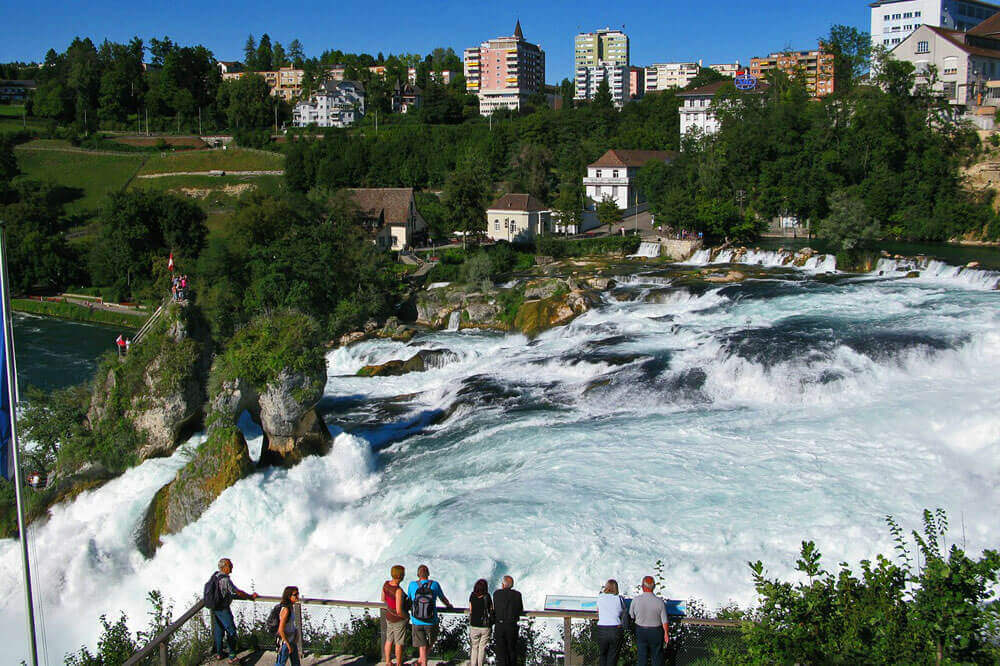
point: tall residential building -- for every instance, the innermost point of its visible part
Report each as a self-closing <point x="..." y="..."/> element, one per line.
<point x="607" y="45"/>
<point x="730" y="69"/>
<point x="334" y="104"/>
<point x="285" y="82"/>
<point x="667" y="75"/>
<point x="894" y="20"/>
<point x="815" y="68"/>
<point x="589" y="78"/>
<point x="504" y="72"/>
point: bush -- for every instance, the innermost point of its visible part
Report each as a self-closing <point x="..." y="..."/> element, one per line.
<point x="553" y="246"/>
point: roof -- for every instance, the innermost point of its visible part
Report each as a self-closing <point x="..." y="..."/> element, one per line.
<point x="958" y="39"/>
<point x="988" y="28"/>
<point x="521" y="202"/>
<point x="633" y="158"/>
<point x="709" y="89"/>
<point x="392" y="204"/>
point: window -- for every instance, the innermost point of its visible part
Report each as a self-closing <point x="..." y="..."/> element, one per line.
<point x="896" y="41"/>
<point x="923" y="47"/>
<point x="598" y="173"/>
<point x="907" y="14"/>
<point x="496" y="225"/>
<point x="897" y="16"/>
<point x="916" y="14"/>
<point x="614" y="174"/>
<point x="949" y="90"/>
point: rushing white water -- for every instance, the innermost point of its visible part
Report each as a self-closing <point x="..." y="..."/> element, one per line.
<point x="647" y="250"/>
<point x="704" y="427"/>
<point x="454" y="319"/>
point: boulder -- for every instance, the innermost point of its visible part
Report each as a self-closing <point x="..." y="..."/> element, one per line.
<point x="288" y="418"/>
<point x="419" y="362"/>
<point x="350" y="338"/>
<point x="601" y="283"/>
<point x="972" y="264"/>
<point x="404" y="334"/>
<point x="731" y="276"/>
<point x="913" y="274"/>
<point x="98" y="400"/>
<point x="217" y="464"/>
<point x="480" y="314"/>
<point x="539" y="289"/>
<point x="536" y="316"/>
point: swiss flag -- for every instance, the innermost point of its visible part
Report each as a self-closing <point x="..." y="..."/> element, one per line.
<point x="120" y="341"/>
<point x="170" y="264"/>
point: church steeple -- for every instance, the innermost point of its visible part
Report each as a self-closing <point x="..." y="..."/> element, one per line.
<point x="517" y="30"/>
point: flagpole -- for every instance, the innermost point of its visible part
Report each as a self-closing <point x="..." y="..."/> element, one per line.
<point x="8" y="338"/>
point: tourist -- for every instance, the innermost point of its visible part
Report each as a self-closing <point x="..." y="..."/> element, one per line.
<point x="395" y="615"/>
<point x="128" y="345"/>
<point x="611" y="611"/>
<point x="508" y="609"/>
<point x="480" y="621"/>
<point x="222" y="614"/>
<point x="288" y="631"/>
<point x="652" y="632"/>
<point x="424" y="594"/>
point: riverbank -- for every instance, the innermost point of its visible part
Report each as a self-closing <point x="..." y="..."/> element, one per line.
<point x="79" y="313"/>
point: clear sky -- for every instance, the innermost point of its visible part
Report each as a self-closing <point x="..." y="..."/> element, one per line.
<point x="659" y="30"/>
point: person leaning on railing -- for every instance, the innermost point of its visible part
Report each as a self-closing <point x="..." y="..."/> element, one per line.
<point x="222" y="617"/>
<point x="288" y="631"/>
<point x="509" y="608"/>
<point x="480" y="622"/>
<point x="610" y="632"/>
<point x="652" y="631"/>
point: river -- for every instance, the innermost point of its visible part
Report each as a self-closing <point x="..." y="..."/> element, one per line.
<point x="704" y="426"/>
<point x="54" y="353"/>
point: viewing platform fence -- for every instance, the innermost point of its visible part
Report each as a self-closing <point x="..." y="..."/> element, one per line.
<point x="691" y="639"/>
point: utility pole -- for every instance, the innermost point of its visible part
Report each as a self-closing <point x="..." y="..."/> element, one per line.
<point x="147" y="121"/>
<point x="275" y="118"/>
<point x="199" y="121"/>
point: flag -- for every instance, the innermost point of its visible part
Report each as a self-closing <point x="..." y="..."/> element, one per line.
<point x="170" y="264"/>
<point x="120" y="341"/>
<point x="6" y="441"/>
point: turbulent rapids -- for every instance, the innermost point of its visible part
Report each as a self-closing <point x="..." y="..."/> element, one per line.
<point x="703" y="425"/>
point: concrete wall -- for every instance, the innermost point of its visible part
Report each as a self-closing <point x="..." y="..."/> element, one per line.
<point x="678" y="249"/>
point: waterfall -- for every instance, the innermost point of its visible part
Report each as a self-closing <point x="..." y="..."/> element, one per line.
<point x="647" y="250"/>
<point x="454" y="319"/>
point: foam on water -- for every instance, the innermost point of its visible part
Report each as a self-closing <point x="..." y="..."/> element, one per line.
<point x="704" y="428"/>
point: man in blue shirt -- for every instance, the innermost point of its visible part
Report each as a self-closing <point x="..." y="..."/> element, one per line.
<point x="424" y="594"/>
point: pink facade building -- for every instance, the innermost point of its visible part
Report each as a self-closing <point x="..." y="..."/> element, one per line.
<point x="504" y="72"/>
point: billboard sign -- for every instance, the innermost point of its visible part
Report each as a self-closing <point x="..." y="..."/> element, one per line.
<point x="746" y="82"/>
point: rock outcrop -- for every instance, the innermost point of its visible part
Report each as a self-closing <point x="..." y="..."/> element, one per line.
<point x="217" y="464"/>
<point x="419" y="362"/>
<point x="558" y="309"/>
<point x="292" y="428"/>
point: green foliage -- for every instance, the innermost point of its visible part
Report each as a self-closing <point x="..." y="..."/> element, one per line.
<point x="139" y="229"/>
<point x="114" y="646"/>
<point x="553" y="246"/>
<point x="848" y="225"/>
<point x="944" y="611"/>
<point x="79" y="313"/>
<point x="608" y="212"/>
<point x="259" y="351"/>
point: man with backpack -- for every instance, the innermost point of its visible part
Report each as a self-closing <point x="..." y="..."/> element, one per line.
<point x="219" y="595"/>
<point x="424" y="594"/>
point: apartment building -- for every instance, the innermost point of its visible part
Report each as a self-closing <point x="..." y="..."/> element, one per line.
<point x="697" y="111"/>
<point x="285" y="82"/>
<point x="730" y="69"/>
<point x="334" y="104"/>
<point x="613" y="175"/>
<point x="443" y="77"/>
<point x="815" y="68"/>
<point x="967" y="63"/>
<point x="636" y="82"/>
<point x="667" y="75"/>
<point x="892" y="21"/>
<point x="505" y="71"/>
<point x="606" y="45"/>
<point x="588" y="79"/>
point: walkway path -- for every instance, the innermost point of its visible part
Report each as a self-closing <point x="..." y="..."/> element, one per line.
<point x="250" y="658"/>
<point x="215" y="172"/>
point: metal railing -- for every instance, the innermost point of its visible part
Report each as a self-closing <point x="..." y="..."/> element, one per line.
<point x="696" y="635"/>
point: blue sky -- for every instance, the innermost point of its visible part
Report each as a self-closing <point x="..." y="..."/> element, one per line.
<point x="659" y="30"/>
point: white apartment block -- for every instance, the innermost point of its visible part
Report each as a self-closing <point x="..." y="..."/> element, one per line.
<point x="667" y="75"/>
<point x="730" y="69"/>
<point x="504" y="72"/>
<point x="892" y="21"/>
<point x="589" y="78"/>
<point x="335" y="104"/>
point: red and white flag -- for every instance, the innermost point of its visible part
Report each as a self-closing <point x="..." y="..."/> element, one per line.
<point x="170" y="264"/>
<point x="120" y="341"/>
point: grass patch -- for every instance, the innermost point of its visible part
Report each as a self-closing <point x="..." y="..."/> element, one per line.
<point x="11" y="110"/>
<point x="78" y="313"/>
<point x="232" y="159"/>
<point x="90" y="177"/>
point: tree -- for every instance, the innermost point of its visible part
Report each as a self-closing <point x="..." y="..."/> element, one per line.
<point x="278" y="57"/>
<point x="246" y="102"/>
<point x="296" y="54"/>
<point x="250" y="54"/>
<point x="263" y="61"/>
<point x="705" y="76"/>
<point x="567" y="90"/>
<point x="568" y="206"/>
<point x="602" y="98"/>
<point x="608" y="212"/>
<point x="848" y="224"/>
<point x="851" y="49"/>
<point x="465" y="198"/>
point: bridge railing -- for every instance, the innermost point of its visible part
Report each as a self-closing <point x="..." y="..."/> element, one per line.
<point x="698" y="632"/>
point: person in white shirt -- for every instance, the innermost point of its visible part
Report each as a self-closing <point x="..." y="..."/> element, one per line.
<point x="610" y="632"/>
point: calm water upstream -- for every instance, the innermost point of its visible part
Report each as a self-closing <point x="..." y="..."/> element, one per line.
<point x="53" y="353"/>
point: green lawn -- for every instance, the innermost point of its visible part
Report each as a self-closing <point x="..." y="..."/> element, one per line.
<point x="232" y="159"/>
<point x="11" y="110"/>
<point x="88" y="177"/>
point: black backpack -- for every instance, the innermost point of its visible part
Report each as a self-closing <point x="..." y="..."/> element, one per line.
<point x="422" y="606"/>
<point x="213" y="597"/>
<point x="407" y="602"/>
<point x="628" y="624"/>
<point x="274" y="619"/>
